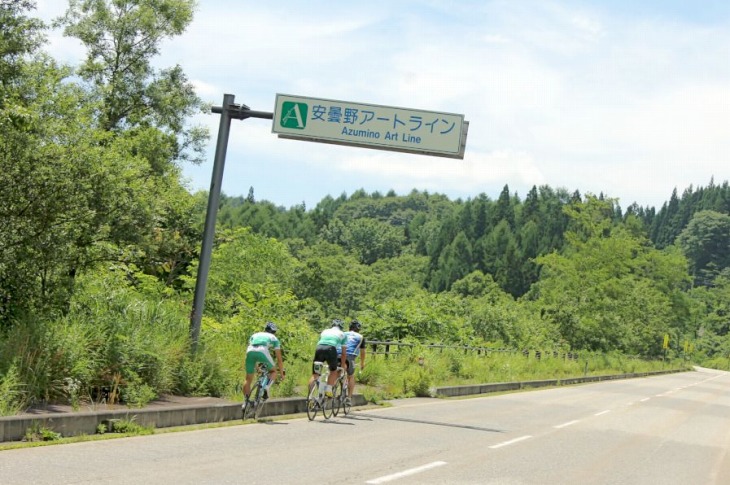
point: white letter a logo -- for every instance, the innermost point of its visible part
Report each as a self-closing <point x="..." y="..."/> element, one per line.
<point x="292" y="115"/>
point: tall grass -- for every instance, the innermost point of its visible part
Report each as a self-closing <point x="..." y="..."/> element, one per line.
<point x="12" y="395"/>
<point x="125" y="342"/>
<point x="114" y="345"/>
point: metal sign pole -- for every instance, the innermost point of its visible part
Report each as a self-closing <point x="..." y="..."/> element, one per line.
<point x="228" y="111"/>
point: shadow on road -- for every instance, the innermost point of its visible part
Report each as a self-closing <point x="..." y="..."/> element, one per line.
<point x="333" y="421"/>
<point x="436" y="423"/>
<point x="356" y="417"/>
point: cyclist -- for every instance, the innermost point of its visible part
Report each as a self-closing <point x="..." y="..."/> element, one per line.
<point x="259" y="346"/>
<point x="355" y="346"/>
<point x="327" y="349"/>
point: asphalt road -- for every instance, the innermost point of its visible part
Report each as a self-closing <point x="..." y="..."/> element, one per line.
<point x="670" y="429"/>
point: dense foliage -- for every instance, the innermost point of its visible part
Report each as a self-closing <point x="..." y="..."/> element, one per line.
<point x="99" y="240"/>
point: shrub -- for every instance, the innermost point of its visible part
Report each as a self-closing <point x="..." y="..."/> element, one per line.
<point x="417" y="382"/>
<point x="137" y="394"/>
<point x="129" y="426"/>
<point x="40" y="433"/>
<point x="204" y="375"/>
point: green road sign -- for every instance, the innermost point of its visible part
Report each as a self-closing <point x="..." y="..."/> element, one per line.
<point x="370" y="126"/>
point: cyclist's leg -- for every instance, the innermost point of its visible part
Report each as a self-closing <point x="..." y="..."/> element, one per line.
<point x="350" y="375"/>
<point x="247" y="385"/>
<point x="332" y="361"/>
<point x="271" y="376"/>
<point x="314" y="371"/>
<point x="319" y="356"/>
<point x="251" y="359"/>
<point x="258" y="356"/>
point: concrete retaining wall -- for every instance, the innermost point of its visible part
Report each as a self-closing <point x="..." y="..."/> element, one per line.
<point x="13" y="428"/>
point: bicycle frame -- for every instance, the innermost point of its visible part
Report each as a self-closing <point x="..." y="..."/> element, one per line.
<point x="316" y="399"/>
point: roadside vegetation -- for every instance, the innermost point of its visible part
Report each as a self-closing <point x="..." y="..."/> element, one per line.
<point x="99" y="241"/>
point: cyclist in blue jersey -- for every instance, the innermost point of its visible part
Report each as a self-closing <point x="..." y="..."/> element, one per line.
<point x="259" y="346"/>
<point x="330" y="342"/>
<point x="355" y="346"/>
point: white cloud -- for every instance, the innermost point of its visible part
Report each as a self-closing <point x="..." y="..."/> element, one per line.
<point x="582" y="96"/>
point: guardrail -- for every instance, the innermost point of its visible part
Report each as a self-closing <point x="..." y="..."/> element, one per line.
<point x="387" y="348"/>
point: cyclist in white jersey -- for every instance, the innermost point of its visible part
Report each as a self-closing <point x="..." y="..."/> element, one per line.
<point x="330" y="341"/>
<point x="355" y="346"/>
<point x="258" y="350"/>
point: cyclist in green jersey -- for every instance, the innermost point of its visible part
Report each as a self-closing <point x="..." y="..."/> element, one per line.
<point x="259" y="346"/>
<point x="327" y="350"/>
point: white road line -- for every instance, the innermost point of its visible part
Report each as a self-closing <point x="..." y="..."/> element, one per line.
<point x="603" y="412"/>
<point x="405" y="473"/>
<point x="645" y="399"/>
<point x="510" y="442"/>
<point x="566" y="424"/>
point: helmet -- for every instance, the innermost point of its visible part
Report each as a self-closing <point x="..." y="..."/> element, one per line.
<point x="338" y="323"/>
<point x="355" y="325"/>
<point x="270" y="327"/>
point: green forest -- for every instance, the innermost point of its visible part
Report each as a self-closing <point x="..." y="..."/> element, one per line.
<point x="100" y="238"/>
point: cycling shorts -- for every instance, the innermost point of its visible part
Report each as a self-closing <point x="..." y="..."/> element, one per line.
<point x="326" y="353"/>
<point x="351" y="364"/>
<point x="254" y="355"/>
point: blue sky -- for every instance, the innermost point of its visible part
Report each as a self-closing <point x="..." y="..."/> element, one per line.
<point x="628" y="98"/>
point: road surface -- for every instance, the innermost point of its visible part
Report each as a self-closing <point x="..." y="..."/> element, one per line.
<point x="669" y="429"/>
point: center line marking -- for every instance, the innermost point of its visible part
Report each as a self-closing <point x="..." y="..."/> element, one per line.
<point x="405" y="473"/>
<point x="603" y="412"/>
<point x="566" y="424"/>
<point x="510" y="442"/>
<point x="645" y="399"/>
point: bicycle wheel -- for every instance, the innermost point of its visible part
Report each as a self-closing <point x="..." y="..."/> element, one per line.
<point x="249" y="411"/>
<point x="346" y="401"/>
<point x="259" y="401"/>
<point x="312" y="403"/>
<point x="337" y="398"/>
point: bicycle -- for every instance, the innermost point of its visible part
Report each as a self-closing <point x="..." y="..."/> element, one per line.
<point x="316" y="399"/>
<point x="254" y="405"/>
<point x="340" y="392"/>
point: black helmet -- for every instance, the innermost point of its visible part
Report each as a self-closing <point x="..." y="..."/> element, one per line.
<point x="338" y="323"/>
<point x="355" y="325"/>
<point x="270" y="327"/>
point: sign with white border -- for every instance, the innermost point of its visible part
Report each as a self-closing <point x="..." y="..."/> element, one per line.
<point x="370" y="126"/>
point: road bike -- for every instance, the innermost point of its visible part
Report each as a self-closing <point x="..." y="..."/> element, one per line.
<point x="340" y="392"/>
<point x="254" y="405"/>
<point x="316" y="399"/>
